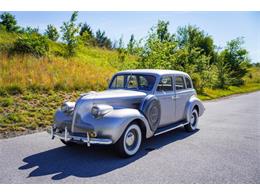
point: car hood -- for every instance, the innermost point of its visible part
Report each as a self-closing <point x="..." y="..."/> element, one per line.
<point x="113" y="97"/>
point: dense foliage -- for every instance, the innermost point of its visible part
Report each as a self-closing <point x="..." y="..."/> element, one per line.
<point x="189" y="49"/>
<point x="9" y="22"/>
<point x="52" y="33"/>
<point x="31" y="44"/>
<point x="193" y="51"/>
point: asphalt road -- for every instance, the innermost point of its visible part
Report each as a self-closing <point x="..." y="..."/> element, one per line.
<point x="226" y="149"/>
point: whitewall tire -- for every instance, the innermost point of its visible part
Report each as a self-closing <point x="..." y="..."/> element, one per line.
<point x="130" y="142"/>
<point x="193" y="121"/>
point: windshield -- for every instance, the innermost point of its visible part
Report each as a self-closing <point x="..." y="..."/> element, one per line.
<point x="133" y="81"/>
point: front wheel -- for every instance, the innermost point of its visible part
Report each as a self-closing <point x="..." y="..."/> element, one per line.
<point x="194" y="118"/>
<point x="130" y="142"/>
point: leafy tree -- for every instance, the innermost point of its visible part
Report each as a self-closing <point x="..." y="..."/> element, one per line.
<point x="192" y="37"/>
<point x="103" y="40"/>
<point x="162" y="31"/>
<point x="9" y="21"/>
<point x="52" y="33"/>
<point x="234" y="59"/>
<point x="87" y="35"/>
<point x="30" y="30"/>
<point x="70" y="31"/>
<point x="131" y="45"/>
<point x="158" y="50"/>
<point x="86" y="28"/>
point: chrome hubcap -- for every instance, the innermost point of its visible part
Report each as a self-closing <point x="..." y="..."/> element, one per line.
<point x="130" y="138"/>
<point x="192" y="119"/>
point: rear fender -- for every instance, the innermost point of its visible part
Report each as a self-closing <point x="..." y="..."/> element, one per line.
<point x="193" y="101"/>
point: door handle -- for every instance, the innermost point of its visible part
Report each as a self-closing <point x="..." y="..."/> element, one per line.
<point x="175" y="97"/>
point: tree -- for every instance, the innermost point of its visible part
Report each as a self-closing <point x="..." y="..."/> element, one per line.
<point x="162" y="31"/>
<point x="86" y="28"/>
<point x="30" y="30"/>
<point x="70" y="31"/>
<point x="234" y="59"/>
<point x="103" y="40"/>
<point x="87" y="35"/>
<point x="9" y="21"/>
<point x="131" y="45"/>
<point x="159" y="48"/>
<point x="193" y="37"/>
<point x="52" y="33"/>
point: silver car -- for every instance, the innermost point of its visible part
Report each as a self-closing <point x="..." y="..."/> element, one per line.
<point x="137" y="105"/>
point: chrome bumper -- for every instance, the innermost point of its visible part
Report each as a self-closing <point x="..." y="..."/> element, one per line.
<point x="88" y="140"/>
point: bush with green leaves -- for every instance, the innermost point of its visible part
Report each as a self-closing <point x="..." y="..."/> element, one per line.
<point x="34" y="44"/>
<point x="52" y="33"/>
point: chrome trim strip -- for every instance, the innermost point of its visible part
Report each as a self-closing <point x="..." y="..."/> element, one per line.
<point x="170" y="129"/>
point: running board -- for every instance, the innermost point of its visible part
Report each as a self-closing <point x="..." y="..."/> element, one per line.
<point x="168" y="128"/>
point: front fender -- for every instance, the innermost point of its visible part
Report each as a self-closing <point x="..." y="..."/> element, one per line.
<point x="193" y="101"/>
<point x="113" y="124"/>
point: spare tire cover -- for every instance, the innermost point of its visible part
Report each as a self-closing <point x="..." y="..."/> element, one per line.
<point x="151" y="108"/>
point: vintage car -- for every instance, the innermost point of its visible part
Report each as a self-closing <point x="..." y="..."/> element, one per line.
<point x="138" y="104"/>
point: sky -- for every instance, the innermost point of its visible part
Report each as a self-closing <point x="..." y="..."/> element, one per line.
<point x="222" y="26"/>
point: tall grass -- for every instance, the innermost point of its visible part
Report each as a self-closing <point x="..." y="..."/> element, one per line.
<point x="52" y="73"/>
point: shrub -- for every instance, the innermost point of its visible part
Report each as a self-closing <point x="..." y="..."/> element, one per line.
<point x="32" y="44"/>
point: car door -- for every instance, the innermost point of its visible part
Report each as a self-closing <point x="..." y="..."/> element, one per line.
<point x="181" y="98"/>
<point x="166" y="95"/>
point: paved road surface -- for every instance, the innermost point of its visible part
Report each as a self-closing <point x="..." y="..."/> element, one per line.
<point x="226" y="149"/>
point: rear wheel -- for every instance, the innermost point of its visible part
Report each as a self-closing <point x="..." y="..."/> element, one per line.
<point x="194" y="118"/>
<point x="130" y="142"/>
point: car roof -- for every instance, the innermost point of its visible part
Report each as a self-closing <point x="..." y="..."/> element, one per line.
<point x="153" y="71"/>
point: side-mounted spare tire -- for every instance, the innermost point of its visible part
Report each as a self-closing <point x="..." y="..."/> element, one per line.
<point x="151" y="108"/>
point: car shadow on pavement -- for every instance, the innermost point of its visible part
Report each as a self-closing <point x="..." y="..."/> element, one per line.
<point x="80" y="161"/>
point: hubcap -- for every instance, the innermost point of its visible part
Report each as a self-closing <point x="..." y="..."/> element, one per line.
<point x="193" y="119"/>
<point x="130" y="138"/>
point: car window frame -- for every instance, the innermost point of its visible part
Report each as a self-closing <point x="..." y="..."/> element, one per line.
<point x="191" y="84"/>
<point x="164" y="92"/>
<point x="125" y="81"/>
<point x="184" y="82"/>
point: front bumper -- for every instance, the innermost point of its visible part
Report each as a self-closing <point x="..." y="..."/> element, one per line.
<point x="67" y="136"/>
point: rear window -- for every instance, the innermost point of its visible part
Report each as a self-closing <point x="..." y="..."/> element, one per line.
<point x="188" y="82"/>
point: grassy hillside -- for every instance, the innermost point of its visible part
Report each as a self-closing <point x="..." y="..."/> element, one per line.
<point x="32" y="88"/>
<point x="55" y="71"/>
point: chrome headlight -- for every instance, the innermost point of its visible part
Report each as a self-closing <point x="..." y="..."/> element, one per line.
<point x="67" y="106"/>
<point x="100" y="110"/>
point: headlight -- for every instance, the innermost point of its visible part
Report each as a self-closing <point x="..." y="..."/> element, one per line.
<point x="68" y="106"/>
<point x="100" y="110"/>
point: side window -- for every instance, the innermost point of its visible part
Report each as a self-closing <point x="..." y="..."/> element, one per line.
<point x="132" y="82"/>
<point x="188" y="82"/>
<point x="165" y="84"/>
<point x="179" y="83"/>
<point x="118" y="82"/>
